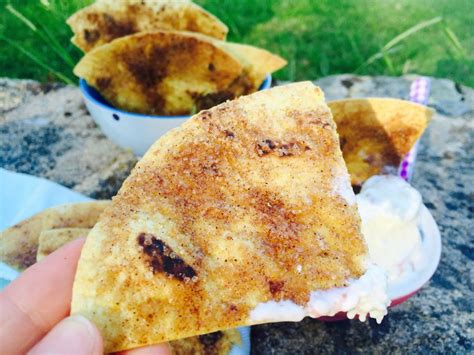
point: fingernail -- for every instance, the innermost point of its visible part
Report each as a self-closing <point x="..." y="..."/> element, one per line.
<point x="74" y="334"/>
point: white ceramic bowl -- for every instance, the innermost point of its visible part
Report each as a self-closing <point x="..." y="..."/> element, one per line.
<point x="132" y="130"/>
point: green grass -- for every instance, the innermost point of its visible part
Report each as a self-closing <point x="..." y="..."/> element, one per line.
<point x="317" y="37"/>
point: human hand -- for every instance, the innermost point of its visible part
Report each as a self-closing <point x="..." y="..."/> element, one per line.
<point x="34" y="311"/>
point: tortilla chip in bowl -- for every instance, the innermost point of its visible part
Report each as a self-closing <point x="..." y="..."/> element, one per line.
<point x="138" y="87"/>
<point x="106" y="20"/>
<point x="171" y="73"/>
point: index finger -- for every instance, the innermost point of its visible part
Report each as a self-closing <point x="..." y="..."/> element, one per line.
<point x="41" y="296"/>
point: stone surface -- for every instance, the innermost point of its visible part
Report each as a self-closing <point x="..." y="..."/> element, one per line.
<point x="46" y="131"/>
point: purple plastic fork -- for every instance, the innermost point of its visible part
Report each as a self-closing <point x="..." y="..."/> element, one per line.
<point x="419" y="93"/>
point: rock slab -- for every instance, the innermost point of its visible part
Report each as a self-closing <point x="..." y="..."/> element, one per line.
<point x="46" y="131"/>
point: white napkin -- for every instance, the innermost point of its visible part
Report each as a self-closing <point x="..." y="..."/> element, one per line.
<point x="22" y="196"/>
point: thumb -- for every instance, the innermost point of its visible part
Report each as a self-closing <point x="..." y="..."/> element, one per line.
<point x="73" y="335"/>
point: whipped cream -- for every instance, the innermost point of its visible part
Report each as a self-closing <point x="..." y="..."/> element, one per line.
<point x="389" y="208"/>
<point x="366" y="296"/>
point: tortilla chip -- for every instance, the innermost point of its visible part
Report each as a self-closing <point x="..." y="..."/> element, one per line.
<point x="163" y="73"/>
<point x="376" y="133"/>
<point x="244" y="204"/>
<point x="167" y="73"/>
<point x="106" y="20"/>
<point x="52" y="239"/>
<point x="19" y="244"/>
<point x="257" y="63"/>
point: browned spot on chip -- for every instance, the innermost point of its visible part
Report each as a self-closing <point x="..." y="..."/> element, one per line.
<point x="265" y="146"/>
<point x="163" y="258"/>
<point x="282" y="149"/>
<point x="204" y="102"/>
<point x="204" y="115"/>
<point x="91" y="36"/>
<point x="229" y="134"/>
<point x="103" y="83"/>
<point x="275" y="286"/>
<point x="115" y="28"/>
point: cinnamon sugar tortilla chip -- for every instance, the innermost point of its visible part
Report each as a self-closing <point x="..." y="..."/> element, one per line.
<point x="376" y="133"/>
<point x="106" y="20"/>
<point x="245" y="204"/>
<point x="172" y="73"/>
